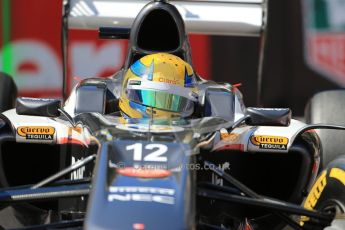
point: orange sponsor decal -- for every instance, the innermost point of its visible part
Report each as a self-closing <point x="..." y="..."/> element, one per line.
<point x="165" y="80"/>
<point x="36" y="132"/>
<point x="144" y="173"/>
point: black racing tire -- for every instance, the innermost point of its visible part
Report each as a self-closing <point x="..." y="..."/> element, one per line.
<point x="328" y="107"/>
<point x="328" y="192"/>
<point x="8" y="92"/>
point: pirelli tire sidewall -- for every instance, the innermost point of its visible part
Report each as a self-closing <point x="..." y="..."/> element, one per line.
<point x="329" y="188"/>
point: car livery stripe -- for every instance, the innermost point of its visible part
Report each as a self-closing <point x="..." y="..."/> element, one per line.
<point x="239" y="147"/>
<point x="66" y="140"/>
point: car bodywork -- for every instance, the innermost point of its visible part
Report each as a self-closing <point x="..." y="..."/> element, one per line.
<point x="118" y="173"/>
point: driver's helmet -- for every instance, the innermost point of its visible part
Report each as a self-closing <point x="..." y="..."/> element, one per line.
<point x="158" y="86"/>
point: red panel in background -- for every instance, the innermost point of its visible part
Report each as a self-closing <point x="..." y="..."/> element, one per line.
<point x="1" y="29"/>
<point x="326" y="52"/>
<point x="93" y="57"/>
<point x="36" y="50"/>
<point x="201" y="55"/>
<point x="37" y="19"/>
<point x="35" y="46"/>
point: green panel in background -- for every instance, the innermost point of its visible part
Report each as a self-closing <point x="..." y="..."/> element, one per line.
<point x="320" y="15"/>
<point x="6" y="38"/>
<point x="327" y="15"/>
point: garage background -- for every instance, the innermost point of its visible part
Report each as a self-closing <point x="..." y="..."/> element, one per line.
<point x="31" y="53"/>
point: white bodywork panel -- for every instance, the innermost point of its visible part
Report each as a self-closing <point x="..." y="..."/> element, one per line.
<point x="239" y="17"/>
<point x="241" y="138"/>
<point x="64" y="132"/>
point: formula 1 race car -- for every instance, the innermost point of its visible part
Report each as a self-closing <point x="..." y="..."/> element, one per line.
<point x="84" y="165"/>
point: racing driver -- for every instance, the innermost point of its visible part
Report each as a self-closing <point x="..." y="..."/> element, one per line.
<point x="159" y="85"/>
